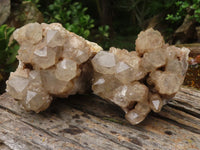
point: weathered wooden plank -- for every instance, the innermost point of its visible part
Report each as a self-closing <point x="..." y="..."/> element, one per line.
<point x="88" y="122"/>
<point x="190" y="97"/>
<point x="4" y="147"/>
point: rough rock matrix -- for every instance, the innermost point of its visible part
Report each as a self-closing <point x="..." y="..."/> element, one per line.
<point x="141" y="80"/>
<point x="52" y="62"/>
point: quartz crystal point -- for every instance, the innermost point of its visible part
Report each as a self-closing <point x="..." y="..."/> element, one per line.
<point x="52" y="62"/>
<point x="141" y="80"/>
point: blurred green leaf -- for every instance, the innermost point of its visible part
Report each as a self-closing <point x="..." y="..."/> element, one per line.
<point x="7" y="52"/>
<point x="13" y="52"/>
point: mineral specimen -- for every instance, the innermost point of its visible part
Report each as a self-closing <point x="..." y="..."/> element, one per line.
<point x="52" y="62"/>
<point x="141" y="80"/>
<point x="56" y="62"/>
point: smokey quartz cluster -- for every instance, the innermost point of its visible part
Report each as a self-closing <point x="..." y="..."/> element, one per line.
<point x="141" y="80"/>
<point x="52" y="62"/>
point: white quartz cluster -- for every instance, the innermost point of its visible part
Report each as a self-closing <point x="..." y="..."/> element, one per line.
<point x="52" y="62"/>
<point x="56" y="62"/>
<point x="141" y="80"/>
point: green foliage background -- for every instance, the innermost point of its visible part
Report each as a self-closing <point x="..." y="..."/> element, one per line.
<point x="190" y="7"/>
<point x="72" y="15"/>
<point x="8" y="49"/>
<point x="8" y="52"/>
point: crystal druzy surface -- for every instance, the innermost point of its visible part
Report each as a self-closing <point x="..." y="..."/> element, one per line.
<point x="141" y="80"/>
<point x="52" y="62"/>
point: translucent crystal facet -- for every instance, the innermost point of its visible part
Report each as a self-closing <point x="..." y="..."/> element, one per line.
<point x="45" y="57"/>
<point x="66" y="70"/>
<point x="16" y="86"/>
<point x="149" y="40"/>
<point x="41" y="52"/>
<point x="54" y="38"/>
<point x="156" y="102"/>
<point x="104" y="62"/>
<point x="30" y="33"/>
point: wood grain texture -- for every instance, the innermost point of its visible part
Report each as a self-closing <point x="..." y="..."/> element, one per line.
<point x="84" y="122"/>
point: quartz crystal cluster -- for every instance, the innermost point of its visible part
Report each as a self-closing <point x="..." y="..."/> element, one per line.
<point x="52" y="62"/>
<point x="141" y="80"/>
<point x="56" y="62"/>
